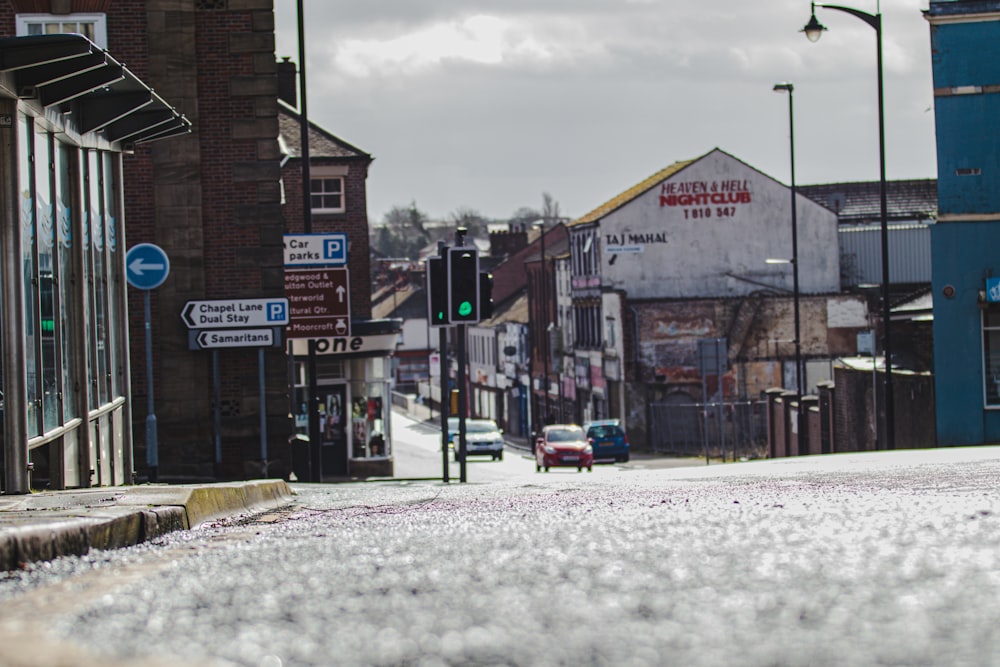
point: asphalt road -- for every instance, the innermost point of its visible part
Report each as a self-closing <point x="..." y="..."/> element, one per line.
<point x="890" y="558"/>
<point x="417" y="454"/>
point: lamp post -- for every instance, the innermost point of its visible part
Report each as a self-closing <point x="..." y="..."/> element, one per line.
<point x="789" y="88"/>
<point x="814" y="30"/>
<point x="543" y="339"/>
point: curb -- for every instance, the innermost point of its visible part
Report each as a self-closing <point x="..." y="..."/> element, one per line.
<point x="45" y="526"/>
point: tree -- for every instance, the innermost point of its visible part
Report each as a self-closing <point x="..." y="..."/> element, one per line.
<point x="550" y="207"/>
<point x="471" y="219"/>
<point x="403" y="232"/>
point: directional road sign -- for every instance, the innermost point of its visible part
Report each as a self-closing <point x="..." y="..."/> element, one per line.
<point x="316" y="249"/>
<point x="146" y="266"/>
<point x="319" y="302"/>
<point x="221" y="338"/>
<point x="226" y="313"/>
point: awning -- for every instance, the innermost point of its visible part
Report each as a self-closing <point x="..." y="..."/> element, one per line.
<point x="92" y="91"/>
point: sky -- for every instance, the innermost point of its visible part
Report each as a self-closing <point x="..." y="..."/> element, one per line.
<point x="488" y="104"/>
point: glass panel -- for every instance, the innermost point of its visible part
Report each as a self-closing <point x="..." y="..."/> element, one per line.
<point x="368" y="435"/>
<point x="115" y="316"/>
<point x="69" y="326"/>
<point x="88" y="272"/>
<point x="100" y="282"/>
<point x="991" y="318"/>
<point x="51" y="410"/>
<point x="32" y="340"/>
<point x="991" y="354"/>
<point x="326" y="193"/>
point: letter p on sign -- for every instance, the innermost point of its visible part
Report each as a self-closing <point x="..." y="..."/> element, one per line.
<point x="276" y="312"/>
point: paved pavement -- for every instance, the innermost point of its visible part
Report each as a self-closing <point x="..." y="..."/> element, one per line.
<point x="46" y="525"/>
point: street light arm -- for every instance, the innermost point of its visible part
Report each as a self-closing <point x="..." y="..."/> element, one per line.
<point x="874" y="20"/>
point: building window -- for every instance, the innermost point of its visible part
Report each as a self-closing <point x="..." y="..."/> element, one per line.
<point x="91" y="26"/>
<point x="991" y="356"/>
<point x="327" y="194"/>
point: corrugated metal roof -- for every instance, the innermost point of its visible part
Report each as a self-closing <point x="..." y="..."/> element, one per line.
<point x="861" y="201"/>
<point x="633" y="192"/>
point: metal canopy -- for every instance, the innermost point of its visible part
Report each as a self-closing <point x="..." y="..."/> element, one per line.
<point x="91" y="90"/>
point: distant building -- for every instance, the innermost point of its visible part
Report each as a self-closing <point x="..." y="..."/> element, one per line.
<point x="349" y="398"/>
<point x="911" y="210"/>
<point x="966" y="265"/>
<point x="680" y="259"/>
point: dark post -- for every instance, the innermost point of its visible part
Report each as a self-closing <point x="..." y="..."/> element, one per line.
<point x="443" y="361"/>
<point x="315" y="454"/>
<point x="813" y="30"/>
<point x="462" y="397"/>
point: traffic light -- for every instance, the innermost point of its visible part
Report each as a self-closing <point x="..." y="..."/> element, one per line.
<point x="437" y="292"/>
<point x="485" y="295"/>
<point x="463" y="283"/>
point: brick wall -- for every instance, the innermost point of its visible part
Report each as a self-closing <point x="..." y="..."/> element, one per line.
<point x="211" y="200"/>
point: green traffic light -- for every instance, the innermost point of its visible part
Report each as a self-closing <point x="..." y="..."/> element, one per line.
<point x="441" y="315"/>
<point x="465" y="309"/>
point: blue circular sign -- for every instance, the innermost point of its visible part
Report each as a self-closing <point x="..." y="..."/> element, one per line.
<point x="146" y="266"/>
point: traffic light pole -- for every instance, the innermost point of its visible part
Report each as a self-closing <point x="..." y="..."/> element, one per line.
<point x="463" y="404"/>
<point x="443" y="378"/>
<point x="463" y="399"/>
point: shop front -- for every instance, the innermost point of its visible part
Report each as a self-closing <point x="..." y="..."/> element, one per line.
<point x="64" y="386"/>
<point x="352" y="402"/>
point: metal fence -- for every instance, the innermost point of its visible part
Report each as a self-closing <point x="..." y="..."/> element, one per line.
<point x="727" y="429"/>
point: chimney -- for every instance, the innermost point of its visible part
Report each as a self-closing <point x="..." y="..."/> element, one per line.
<point x="287" y="78"/>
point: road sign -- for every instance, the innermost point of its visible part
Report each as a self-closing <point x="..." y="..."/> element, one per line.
<point x="222" y="338"/>
<point x="316" y="249"/>
<point x="224" y="313"/>
<point x="319" y="303"/>
<point x="146" y="266"/>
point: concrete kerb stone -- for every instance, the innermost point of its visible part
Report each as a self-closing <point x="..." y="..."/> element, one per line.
<point x="45" y="526"/>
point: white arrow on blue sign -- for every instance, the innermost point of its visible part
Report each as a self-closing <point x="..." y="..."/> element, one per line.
<point x="146" y="266"/>
<point x="328" y="249"/>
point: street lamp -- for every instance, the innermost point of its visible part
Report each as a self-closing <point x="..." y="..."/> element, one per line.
<point x="814" y="30"/>
<point x="789" y="88"/>
<point x="544" y="339"/>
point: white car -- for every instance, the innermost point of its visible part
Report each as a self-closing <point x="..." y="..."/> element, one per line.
<point x="482" y="437"/>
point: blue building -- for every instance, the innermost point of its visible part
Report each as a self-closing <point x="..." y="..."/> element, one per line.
<point x="965" y="255"/>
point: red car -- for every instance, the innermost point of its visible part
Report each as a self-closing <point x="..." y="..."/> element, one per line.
<point x="563" y="445"/>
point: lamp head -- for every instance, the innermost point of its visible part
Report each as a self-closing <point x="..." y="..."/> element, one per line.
<point x="783" y="87"/>
<point x="814" y="29"/>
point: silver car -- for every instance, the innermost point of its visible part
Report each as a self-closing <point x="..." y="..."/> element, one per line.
<point x="482" y="437"/>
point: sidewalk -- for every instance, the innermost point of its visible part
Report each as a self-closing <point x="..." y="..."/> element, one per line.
<point x="47" y="525"/>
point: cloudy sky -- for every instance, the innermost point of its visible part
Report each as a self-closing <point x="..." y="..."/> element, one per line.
<point x="486" y="104"/>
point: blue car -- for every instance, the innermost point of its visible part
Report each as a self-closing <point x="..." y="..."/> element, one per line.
<point x="608" y="439"/>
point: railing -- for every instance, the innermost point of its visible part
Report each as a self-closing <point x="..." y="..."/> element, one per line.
<point x="727" y="429"/>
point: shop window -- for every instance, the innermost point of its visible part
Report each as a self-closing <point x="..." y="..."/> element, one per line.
<point x="368" y="433"/>
<point x="67" y="314"/>
<point x="91" y="26"/>
<point x="327" y="193"/>
<point x="29" y="265"/>
<point x="47" y="297"/>
<point x="991" y="356"/>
